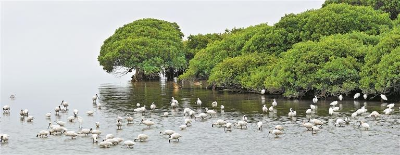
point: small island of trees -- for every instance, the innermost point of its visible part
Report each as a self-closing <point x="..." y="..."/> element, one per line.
<point x="345" y="47"/>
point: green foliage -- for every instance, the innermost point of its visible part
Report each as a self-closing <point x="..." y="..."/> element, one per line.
<point x="388" y="71"/>
<point x="198" y="42"/>
<point x="370" y="73"/>
<point x="203" y="62"/>
<point x="333" y="19"/>
<point x="390" y="6"/>
<point x="237" y="71"/>
<point x="147" y="45"/>
<point x="327" y="67"/>
<point x="268" y="40"/>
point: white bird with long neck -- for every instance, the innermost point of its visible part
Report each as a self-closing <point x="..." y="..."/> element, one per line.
<point x="364" y="125"/>
<point x="340" y="97"/>
<point x="291" y="113"/>
<point x="315" y="99"/>
<point x="264" y="108"/>
<point x="211" y="112"/>
<point x="241" y="124"/>
<point x="244" y="118"/>
<point x="222" y="107"/>
<point x="141" y="138"/>
<point x="174" y="136"/>
<point x="365" y="96"/>
<point x="152" y="106"/>
<point x="174" y="105"/>
<point x="198" y="102"/>
<point x="147" y="122"/>
<point x="94" y="98"/>
<point x="274" y="103"/>
<point x="174" y="101"/>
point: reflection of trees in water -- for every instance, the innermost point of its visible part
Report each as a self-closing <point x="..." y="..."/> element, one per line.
<point x="123" y="99"/>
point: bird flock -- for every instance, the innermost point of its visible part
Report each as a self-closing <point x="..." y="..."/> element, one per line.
<point x="58" y="127"/>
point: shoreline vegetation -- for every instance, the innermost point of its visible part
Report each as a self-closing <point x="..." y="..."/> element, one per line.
<point x="341" y="48"/>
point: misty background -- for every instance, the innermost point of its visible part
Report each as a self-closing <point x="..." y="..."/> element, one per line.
<point x="53" y="46"/>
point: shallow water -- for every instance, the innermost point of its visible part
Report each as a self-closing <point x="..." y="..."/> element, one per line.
<point x="200" y="138"/>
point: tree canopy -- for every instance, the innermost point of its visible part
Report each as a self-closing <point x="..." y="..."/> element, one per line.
<point x="341" y="48"/>
<point x="390" y="6"/>
<point x="145" y="45"/>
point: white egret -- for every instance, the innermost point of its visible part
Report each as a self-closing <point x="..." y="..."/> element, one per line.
<point x="214" y="104"/>
<point x="315" y="99"/>
<point x="147" y="122"/>
<point x="274" y="103"/>
<point x="383" y="97"/>
<point x="198" y="102"/>
<point x="264" y="108"/>
<point x="356" y="95"/>
<point x="276" y="132"/>
<point x="141" y="138"/>
<point x="364" y="125"/>
<point x="94" y="98"/>
<point x="174" y="136"/>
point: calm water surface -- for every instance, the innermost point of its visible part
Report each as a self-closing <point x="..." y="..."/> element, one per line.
<point x="120" y="99"/>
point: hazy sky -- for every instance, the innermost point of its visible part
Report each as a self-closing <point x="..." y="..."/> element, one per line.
<point x="46" y="42"/>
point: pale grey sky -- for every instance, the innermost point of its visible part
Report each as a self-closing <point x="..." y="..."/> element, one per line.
<point x="45" y="42"/>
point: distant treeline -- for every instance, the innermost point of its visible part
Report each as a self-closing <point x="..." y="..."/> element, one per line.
<point x="338" y="49"/>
